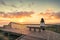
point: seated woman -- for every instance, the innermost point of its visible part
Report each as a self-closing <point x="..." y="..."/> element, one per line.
<point x="42" y="24"/>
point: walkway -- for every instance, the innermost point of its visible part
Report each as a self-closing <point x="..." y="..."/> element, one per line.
<point x="49" y="35"/>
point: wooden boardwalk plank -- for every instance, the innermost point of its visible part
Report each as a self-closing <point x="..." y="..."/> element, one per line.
<point x="49" y="35"/>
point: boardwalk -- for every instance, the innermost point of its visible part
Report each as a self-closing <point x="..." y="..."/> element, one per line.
<point x="31" y="35"/>
<point x="49" y="35"/>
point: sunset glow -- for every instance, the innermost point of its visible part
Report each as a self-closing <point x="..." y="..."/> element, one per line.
<point x="29" y="11"/>
<point x="50" y="18"/>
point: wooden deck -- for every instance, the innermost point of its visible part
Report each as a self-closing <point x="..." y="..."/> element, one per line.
<point x="48" y="35"/>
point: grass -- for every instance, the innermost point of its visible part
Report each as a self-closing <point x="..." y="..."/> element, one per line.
<point x="54" y="28"/>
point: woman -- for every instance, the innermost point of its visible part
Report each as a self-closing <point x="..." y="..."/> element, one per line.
<point x="42" y="24"/>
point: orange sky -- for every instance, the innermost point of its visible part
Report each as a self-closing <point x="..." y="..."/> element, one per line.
<point x="31" y="17"/>
<point x="29" y="11"/>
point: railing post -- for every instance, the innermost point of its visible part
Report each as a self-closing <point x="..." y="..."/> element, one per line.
<point x="34" y="29"/>
<point x="39" y="30"/>
<point x="30" y="29"/>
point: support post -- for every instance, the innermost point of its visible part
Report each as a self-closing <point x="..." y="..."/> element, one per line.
<point x="34" y="29"/>
<point x="39" y="29"/>
<point x="29" y="29"/>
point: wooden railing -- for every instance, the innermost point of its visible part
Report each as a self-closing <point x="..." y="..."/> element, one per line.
<point x="34" y="28"/>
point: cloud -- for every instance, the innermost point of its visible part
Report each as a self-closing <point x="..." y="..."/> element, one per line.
<point x="50" y="15"/>
<point x="14" y="6"/>
<point x="23" y="14"/>
<point x="31" y="4"/>
<point x="17" y="14"/>
<point x="57" y="15"/>
<point x="21" y="1"/>
<point x="2" y="2"/>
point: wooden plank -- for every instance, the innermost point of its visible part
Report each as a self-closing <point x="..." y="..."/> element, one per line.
<point x="34" y="28"/>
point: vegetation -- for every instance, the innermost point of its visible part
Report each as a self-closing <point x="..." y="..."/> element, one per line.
<point x="55" y="28"/>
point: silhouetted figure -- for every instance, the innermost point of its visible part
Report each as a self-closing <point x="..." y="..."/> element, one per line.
<point x="42" y="24"/>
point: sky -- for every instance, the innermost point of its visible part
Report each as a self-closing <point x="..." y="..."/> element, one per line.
<point x="29" y="5"/>
<point x="29" y="11"/>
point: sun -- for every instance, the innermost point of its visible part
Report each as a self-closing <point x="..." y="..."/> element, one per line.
<point x="21" y="20"/>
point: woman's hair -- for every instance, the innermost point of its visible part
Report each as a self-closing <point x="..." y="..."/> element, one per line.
<point x="42" y="20"/>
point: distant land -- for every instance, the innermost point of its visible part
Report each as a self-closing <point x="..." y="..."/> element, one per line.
<point x="1" y="25"/>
